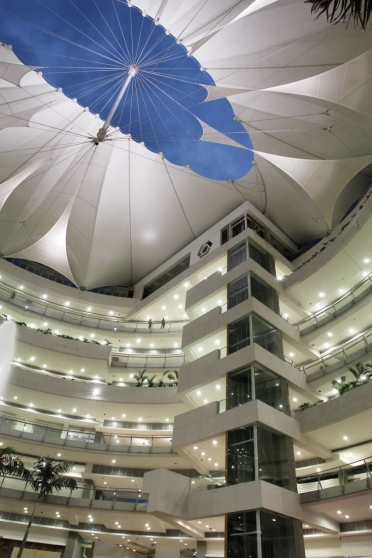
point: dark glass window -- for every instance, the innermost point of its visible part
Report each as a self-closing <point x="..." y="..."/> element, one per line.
<point x="255" y="382"/>
<point x="258" y="534"/>
<point x="264" y="335"/>
<point x="259" y="256"/>
<point x="252" y="329"/>
<point x="238" y="291"/>
<point x="237" y="255"/>
<point x="272" y="457"/>
<point x="240" y="456"/>
<point x="262" y="292"/>
<point x="239" y="334"/>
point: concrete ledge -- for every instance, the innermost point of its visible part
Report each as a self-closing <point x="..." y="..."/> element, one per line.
<point x="83" y="390"/>
<point x="205" y="423"/>
<point x="169" y="494"/>
<point x="67" y="346"/>
<point x="336" y="410"/>
<point x="209" y="368"/>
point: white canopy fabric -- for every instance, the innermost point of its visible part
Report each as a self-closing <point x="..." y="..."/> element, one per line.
<point x="111" y="213"/>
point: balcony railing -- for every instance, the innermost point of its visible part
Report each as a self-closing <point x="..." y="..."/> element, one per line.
<point x="353" y="477"/>
<point x="45" y="309"/>
<point x="147" y="360"/>
<point x="347" y="353"/>
<point x="85" y="440"/>
<point x="341" y="305"/>
<point x="211" y="481"/>
<point x="86" y="496"/>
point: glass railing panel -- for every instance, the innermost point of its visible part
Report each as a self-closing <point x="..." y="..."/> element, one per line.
<point x="210" y="481"/>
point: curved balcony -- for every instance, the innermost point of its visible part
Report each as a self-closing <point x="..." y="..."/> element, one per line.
<point x="84" y="439"/>
<point x="86" y="496"/>
<point x="336" y="308"/>
<point x="122" y="358"/>
<point x="338" y="481"/>
<point x="342" y="356"/>
<point x="44" y="309"/>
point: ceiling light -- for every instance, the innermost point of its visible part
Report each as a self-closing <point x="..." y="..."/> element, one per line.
<point x="298" y="453"/>
<point x="217" y="342"/>
<point x="152" y="344"/>
<point x="110" y="313"/>
<point x="186" y="284"/>
<point x="366" y="260"/>
<point x="205" y="401"/>
<point x="32" y="359"/>
<point x="176" y="297"/>
<point x="330" y="334"/>
<point x="82" y="370"/>
<point x="321" y="295"/>
<point x="176" y="344"/>
<point x="44" y="296"/>
<point x="204" y="309"/>
<point x="218" y="386"/>
<point x="345" y="438"/>
<point x="123" y="416"/>
<point x="140" y="419"/>
<point x="341" y="291"/>
<point x="347" y="516"/>
<point x="209" y="459"/>
<point x="295" y="399"/>
<point x="198" y="392"/>
<point x="216" y="464"/>
<point x="31" y="405"/>
<point x="166" y="317"/>
<point x="138" y="340"/>
<point x="203" y="453"/>
<point x="200" y="349"/>
<point x="45" y="324"/>
<point x="195" y="447"/>
<point x="92" y="334"/>
<point x="21" y="287"/>
<point x="180" y="306"/>
<point x="96" y="391"/>
<point x="291" y="354"/>
<point x="318" y="470"/>
<point x="15" y="397"/>
<point x="113" y="461"/>
<point x="89" y="309"/>
<point x="352" y="330"/>
<point x="163" y="307"/>
<point x="214" y="442"/>
<point x="67" y="303"/>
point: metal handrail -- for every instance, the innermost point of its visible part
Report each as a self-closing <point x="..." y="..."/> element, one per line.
<point x="340" y="351"/>
<point x="332" y="307"/>
<point x="313" y="482"/>
<point x="84" y="317"/>
<point x="86" y="439"/>
<point x="84" y="496"/>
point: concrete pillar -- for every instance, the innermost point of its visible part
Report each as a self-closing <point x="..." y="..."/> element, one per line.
<point x="73" y="548"/>
<point x="201" y="549"/>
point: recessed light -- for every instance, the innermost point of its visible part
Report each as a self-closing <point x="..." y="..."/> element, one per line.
<point x="44" y="296"/>
<point x="140" y="419"/>
<point x="352" y="330"/>
<point x="321" y="295"/>
<point x="209" y="459"/>
<point x="216" y="464"/>
<point x="214" y="442"/>
<point x="31" y="405"/>
<point x="341" y="291"/>
<point x="339" y="512"/>
<point x="203" y="453"/>
<point x="218" y="386"/>
<point x="205" y="401"/>
<point x="176" y="297"/>
<point x="186" y="284"/>
<point x="32" y="359"/>
<point x="59" y="454"/>
<point x="198" y="392"/>
<point x="204" y="309"/>
<point x="295" y="399"/>
<point x="82" y="370"/>
<point x="113" y="461"/>
<point x="123" y="416"/>
<point x="180" y="306"/>
<point x="89" y="309"/>
<point x="345" y="438"/>
<point x="200" y="349"/>
<point x="195" y="447"/>
<point x="330" y="334"/>
<point x="163" y="307"/>
<point x="138" y="340"/>
<point x="15" y="397"/>
<point x="291" y="354"/>
<point x="176" y="344"/>
<point x="347" y="516"/>
<point x="298" y="453"/>
<point x="21" y="287"/>
<point x="366" y="260"/>
<point x="67" y="303"/>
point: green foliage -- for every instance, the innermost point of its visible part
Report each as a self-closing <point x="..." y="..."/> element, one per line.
<point x="10" y="463"/>
<point x="141" y="378"/>
<point x="361" y="377"/>
<point x="304" y="406"/>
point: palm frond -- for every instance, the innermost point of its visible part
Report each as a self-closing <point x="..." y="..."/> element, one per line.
<point x="337" y="11"/>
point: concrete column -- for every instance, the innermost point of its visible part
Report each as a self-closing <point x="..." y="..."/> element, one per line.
<point x="163" y="551"/>
<point x="73" y="548"/>
<point x="201" y="549"/>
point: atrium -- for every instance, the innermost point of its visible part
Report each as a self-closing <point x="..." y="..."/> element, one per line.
<point x="186" y="278"/>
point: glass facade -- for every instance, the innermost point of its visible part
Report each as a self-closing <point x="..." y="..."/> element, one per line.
<point x="248" y="249"/>
<point x="258" y="534"/>
<point x="249" y="285"/>
<point x="249" y="330"/>
<point x="255" y="382"/>
<point x="257" y="453"/>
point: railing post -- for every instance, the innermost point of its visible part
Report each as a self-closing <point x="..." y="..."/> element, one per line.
<point x="368" y="474"/>
<point x="114" y="501"/>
